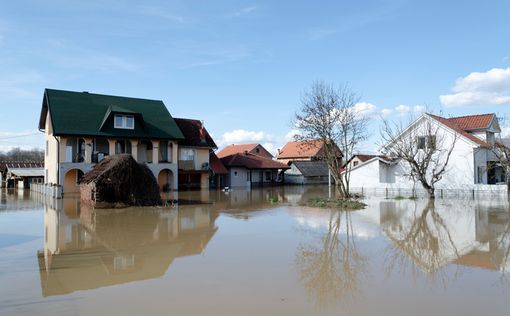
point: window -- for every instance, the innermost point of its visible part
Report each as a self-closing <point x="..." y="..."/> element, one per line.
<point x="355" y="163"/>
<point x="480" y="175"/>
<point x="421" y="142"/>
<point x="124" y="121"/>
<point x="235" y="173"/>
<point x="427" y="142"/>
<point x="187" y="154"/>
<point x="268" y="175"/>
<point x="490" y="138"/>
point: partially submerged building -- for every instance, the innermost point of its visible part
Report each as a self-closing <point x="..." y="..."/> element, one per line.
<point x="194" y="152"/>
<point x="307" y="172"/>
<point x="254" y="149"/>
<point x="472" y="164"/>
<point x="21" y="174"/>
<point x="247" y="169"/>
<point x="82" y="128"/>
<point x="307" y="162"/>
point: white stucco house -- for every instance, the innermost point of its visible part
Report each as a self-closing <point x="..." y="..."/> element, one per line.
<point x="472" y="162"/>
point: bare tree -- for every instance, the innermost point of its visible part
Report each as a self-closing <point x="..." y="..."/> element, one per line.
<point x="327" y="114"/>
<point x="501" y="151"/>
<point x="423" y="145"/>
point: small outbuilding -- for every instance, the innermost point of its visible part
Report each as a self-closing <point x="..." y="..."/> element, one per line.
<point x="307" y="172"/>
<point x="119" y="181"/>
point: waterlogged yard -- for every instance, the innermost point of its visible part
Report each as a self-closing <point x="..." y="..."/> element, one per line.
<point x="260" y="252"/>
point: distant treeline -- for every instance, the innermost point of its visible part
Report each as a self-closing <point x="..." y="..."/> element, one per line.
<point x="17" y="154"/>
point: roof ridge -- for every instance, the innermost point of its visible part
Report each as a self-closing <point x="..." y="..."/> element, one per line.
<point x="472" y="115"/>
<point x="102" y="94"/>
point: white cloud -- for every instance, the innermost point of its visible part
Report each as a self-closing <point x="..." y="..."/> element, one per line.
<point x="244" y="11"/>
<point x="364" y="108"/>
<point x="386" y="112"/>
<point x="371" y="110"/>
<point x="406" y="109"/>
<point x="290" y="135"/>
<point x="240" y="136"/>
<point x="480" y="88"/>
<point x="505" y="132"/>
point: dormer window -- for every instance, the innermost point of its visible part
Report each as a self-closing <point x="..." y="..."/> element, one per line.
<point x="124" y="121"/>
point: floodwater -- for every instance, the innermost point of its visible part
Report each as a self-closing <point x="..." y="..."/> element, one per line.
<point x="259" y="252"/>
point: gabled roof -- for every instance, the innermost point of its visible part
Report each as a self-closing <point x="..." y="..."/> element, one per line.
<point x="313" y="168"/>
<point x="90" y="114"/>
<point x="195" y="134"/>
<point x="216" y="165"/>
<point x="4" y="165"/>
<point x="365" y="158"/>
<point x="301" y="149"/>
<point x="251" y="161"/>
<point x="453" y="125"/>
<point x="241" y="148"/>
<point x="473" y="122"/>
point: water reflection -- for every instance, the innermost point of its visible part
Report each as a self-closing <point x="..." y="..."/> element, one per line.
<point x="86" y="249"/>
<point x="427" y="236"/>
<point x="332" y="269"/>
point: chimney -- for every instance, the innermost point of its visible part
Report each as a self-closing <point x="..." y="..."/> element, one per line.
<point x="278" y="150"/>
<point x="246" y="152"/>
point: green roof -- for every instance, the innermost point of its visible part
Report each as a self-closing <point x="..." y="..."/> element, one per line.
<point x="90" y="114"/>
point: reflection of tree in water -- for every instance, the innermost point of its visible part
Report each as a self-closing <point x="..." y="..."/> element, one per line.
<point x="427" y="242"/>
<point x="332" y="269"/>
<point x="503" y="243"/>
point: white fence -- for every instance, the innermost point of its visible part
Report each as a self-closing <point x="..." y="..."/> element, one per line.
<point x="476" y="192"/>
<point x="54" y="192"/>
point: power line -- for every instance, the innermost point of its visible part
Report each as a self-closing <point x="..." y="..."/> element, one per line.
<point x="19" y="136"/>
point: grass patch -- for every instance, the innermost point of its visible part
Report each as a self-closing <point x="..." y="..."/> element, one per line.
<point x="343" y="204"/>
<point x="400" y="197"/>
<point x="273" y="200"/>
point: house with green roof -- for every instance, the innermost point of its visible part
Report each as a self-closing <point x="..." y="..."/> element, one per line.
<point x="82" y="128"/>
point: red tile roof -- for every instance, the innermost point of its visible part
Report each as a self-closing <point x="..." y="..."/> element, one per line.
<point x="216" y="165"/>
<point x="451" y="123"/>
<point x="251" y="161"/>
<point x="472" y="122"/>
<point x="235" y="149"/>
<point x="194" y="133"/>
<point x="301" y="149"/>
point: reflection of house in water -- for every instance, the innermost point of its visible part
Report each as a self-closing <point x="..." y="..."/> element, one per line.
<point x="87" y="249"/>
<point x="432" y="236"/>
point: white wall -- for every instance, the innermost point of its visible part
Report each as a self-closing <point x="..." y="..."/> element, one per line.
<point x="238" y="177"/>
<point x="460" y="171"/>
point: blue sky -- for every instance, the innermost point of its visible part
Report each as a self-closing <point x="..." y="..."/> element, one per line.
<point x="241" y="66"/>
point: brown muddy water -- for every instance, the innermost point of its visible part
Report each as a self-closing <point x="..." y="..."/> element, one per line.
<point x="257" y="252"/>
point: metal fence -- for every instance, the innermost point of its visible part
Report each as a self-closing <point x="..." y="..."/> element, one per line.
<point x="472" y="193"/>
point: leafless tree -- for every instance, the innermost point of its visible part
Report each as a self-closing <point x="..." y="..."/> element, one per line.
<point x="501" y="151"/>
<point x="328" y="115"/>
<point x="423" y="145"/>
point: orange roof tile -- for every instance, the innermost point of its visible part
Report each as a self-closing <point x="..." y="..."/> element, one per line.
<point x="235" y="149"/>
<point x="453" y="125"/>
<point x="472" y="122"/>
<point x="300" y="149"/>
<point x="251" y="161"/>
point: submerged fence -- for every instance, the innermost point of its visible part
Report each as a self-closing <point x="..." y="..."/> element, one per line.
<point x="497" y="191"/>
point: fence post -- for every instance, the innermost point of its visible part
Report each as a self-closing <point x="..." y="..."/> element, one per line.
<point x="473" y="193"/>
<point x="386" y="192"/>
<point x="361" y="191"/>
<point x="441" y="193"/>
